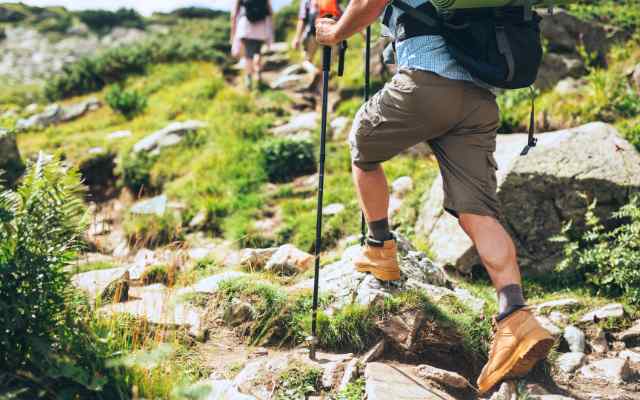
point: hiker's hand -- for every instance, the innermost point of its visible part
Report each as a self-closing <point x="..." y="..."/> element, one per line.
<point x="326" y="32"/>
<point x="296" y="43"/>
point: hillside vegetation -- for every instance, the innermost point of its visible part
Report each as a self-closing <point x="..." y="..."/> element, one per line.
<point x="229" y="183"/>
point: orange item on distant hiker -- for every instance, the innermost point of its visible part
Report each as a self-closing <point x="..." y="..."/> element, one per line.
<point x="329" y="8"/>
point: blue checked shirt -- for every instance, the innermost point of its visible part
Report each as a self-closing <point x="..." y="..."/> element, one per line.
<point x="427" y="53"/>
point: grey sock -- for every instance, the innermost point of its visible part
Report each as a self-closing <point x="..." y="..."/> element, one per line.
<point x="379" y="230"/>
<point x="510" y="299"/>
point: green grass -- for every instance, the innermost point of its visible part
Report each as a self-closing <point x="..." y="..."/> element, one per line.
<point x="353" y="391"/>
<point x="92" y="266"/>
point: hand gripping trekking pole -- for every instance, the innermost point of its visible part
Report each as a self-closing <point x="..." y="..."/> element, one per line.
<point x="367" y="88"/>
<point x="326" y="69"/>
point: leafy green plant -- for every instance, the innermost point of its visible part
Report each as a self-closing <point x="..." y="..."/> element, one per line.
<point x="353" y="391"/>
<point x="135" y="171"/>
<point x="287" y="158"/>
<point x="156" y="274"/>
<point x="606" y="259"/>
<point x="297" y="382"/>
<point x="102" y="21"/>
<point x="154" y="230"/>
<point x="46" y="349"/>
<point x="128" y="103"/>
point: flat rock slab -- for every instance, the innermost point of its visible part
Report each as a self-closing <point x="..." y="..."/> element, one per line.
<point x="384" y="382"/>
<point x="300" y="123"/>
<point x="614" y="310"/>
<point x="95" y="282"/>
<point x="223" y="390"/>
<point x="211" y="284"/>
<point x="161" y="308"/>
<point x="611" y="370"/>
<point x="631" y="333"/>
<point x="569" y="362"/>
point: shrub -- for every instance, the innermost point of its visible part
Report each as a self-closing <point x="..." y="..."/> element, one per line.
<point x="128" y="103"/>
<point x="298" y="381"/>
<point x="135" y="171"/>
<point x="44" y="335"/>
<point x="60" y="24"/>
<point x="156" y="274"/>
<point x="287" y="158"/>
<point x="197" y="12"/>
<point x="153" y="230"/>
<point x="102" y="21"/>
<point x="90" y="74"/>
<point x="606" y="259"/>
<point x="285" y="20"/>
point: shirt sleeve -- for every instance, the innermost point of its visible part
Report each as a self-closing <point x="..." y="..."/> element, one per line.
<point x="304" y="9"/>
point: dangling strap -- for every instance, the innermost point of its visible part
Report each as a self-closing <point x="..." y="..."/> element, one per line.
<point x="532" y="126"/>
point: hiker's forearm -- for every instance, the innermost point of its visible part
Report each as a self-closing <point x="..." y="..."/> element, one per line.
<point x="358" y="15"/>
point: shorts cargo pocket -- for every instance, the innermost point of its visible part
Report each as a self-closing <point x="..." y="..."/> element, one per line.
<point x="370" y="116"/>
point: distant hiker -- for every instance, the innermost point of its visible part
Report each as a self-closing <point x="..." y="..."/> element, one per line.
<point x="251" y="28"/>
<point x="433" y="98"/>
<point x="305" y="36"/>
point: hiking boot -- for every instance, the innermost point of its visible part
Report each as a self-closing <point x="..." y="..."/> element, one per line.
<point x="379" y="258"/>
<point x="519" y="342"/>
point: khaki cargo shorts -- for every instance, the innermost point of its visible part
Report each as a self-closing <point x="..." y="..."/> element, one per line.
<point x="458" y="119"/>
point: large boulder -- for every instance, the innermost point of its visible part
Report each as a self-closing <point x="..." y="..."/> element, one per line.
<point x="541" y="192"/>
<point x="11" y="166"/>
<point x="168" y="136"/>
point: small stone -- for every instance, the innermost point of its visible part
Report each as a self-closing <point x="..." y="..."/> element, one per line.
<point x="444" y="377"/>
<point x="256" y="259"/>
<point x="507" y="391"/>
<point x="614" y="310"/>
<point x="339" y="127"/>
<point x="31" y="108"/>
<point x="556" y="304"/>
<point x="119" y="135"/>
<point x="300" y="123"/>
<point x="550" y="326"/>
<point x="612" y="370"/>
<point x="198" y="220"/>
<point x="575" y="338"/>
<point x="630" y="334"/>
<point x="631" y="355"/>
<point x="374" y="353"/>
<point x="154" y="206"/>
<point x="558" y="318"/>
<point x="569" y="86"/>
<point x="289" y="260"/>
<point x="402" y="185"/>
<point x="333" y="209"/>
<point x="569" y="362"/>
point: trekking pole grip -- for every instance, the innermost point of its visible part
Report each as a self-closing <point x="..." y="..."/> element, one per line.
<point x="326" y="58"/>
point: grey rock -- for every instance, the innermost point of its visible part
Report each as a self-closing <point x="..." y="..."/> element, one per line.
<point x="295" y="77"/>
<point x="51" y="114"/>
<point x="569" y="86"/>
<point x="374" y="353"/>
<point x="119" y="135"/>
<point x="300" y="123"/>
<point x="95" y="283"/>
<point x="78" y="110"/>
<point x="330" y="375"/>
<point x="349" y="286"/>
<point x="507" y="391"/>
<point x="569" y="362"/>
<point x="256" y="259"/>
<point x="198" y="220"/>
<point x="333" y="209"/>
<point x="153" y="206"/>
<point x="350" y="373"/>
<point x="631" y="355"/>
<point x="556" y="67"/>
<point x="211" y="284"/>
<point x="558" y="318"/>
<point x="575" y="338"/>
<point x="630" y="334"/>
<point x="550" y="326"/>
<point x="562" y="304"/>
<point x="222" y="390"/>
<point x="31" y="108"/>
<point x="592" y="159"/>
<point x="385" y="382"/>
<point x="289" y="260"/>
<point x="565" y="32"/>
<point x="340" y="127"/>
<point x="168" y="136"/>
<point x="11" y="165"/>
<point x="614" y="310"/>
<point x="611" y="370"/>
<point x="438" y="293"/>
<point x="444" y="377"/>
<point x="551" y="397"/>
<point x="402" y="185"/>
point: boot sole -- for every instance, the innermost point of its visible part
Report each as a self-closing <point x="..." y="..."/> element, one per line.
<point x="532" y="349"/>
<point x="380" y="274"/>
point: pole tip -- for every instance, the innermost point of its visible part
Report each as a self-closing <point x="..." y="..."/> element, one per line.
<point x="311" y="342"/>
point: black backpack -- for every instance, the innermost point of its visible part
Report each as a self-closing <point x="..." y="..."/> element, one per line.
<point x="499" y="46"/>
<point x="255" y="10"/>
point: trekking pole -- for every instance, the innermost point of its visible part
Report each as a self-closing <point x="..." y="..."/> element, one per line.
<point x="367" y="88"/>
<point x="326" y="67"/>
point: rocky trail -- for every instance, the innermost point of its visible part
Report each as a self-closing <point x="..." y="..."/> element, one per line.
<point x="415" y="348"/>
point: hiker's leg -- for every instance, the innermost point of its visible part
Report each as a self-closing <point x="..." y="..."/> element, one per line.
<point x="373" y="192"/>
<point x="257" y="66"/>
<point x="495" y="247"/>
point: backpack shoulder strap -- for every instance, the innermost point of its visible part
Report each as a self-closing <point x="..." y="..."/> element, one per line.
<point x="415" y="13"/>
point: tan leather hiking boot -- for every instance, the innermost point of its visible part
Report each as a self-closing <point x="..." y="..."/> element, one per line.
<point x="518" y="344"/>
<point x="379" y="258"/>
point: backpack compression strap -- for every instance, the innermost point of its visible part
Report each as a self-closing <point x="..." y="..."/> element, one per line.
<point x="417" y="14"/>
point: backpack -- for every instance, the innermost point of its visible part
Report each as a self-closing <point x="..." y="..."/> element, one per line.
<point x="499" y="46"/>
<point x="256" y="10"/>
<point x="329" y="8"/>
